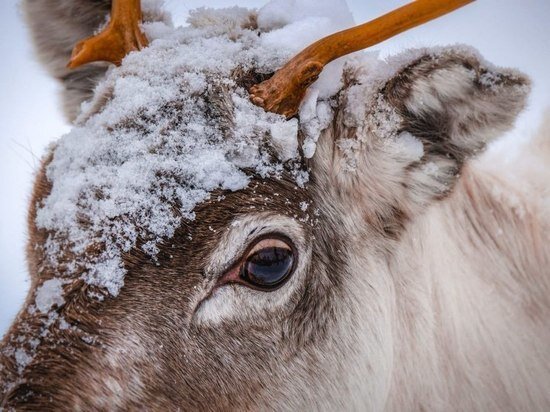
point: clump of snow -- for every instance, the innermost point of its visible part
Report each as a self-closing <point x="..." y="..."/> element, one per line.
<point x="171" y="125"/>
<point x="410" y="146"/>
<point x="283" y="137"/>
<point x="48" y="294"/>
<point x="315" y="116"/>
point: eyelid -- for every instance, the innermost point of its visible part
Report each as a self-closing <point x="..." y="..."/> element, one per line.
<point x="270" y="235"/>
<point x="267" y="243"/>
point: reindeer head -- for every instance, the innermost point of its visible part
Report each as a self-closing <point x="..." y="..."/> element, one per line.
<point x="162" y="280"/>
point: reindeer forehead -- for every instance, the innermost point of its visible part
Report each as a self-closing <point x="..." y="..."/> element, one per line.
<point x="263" y="203"/>
<point x="163" y="132"/>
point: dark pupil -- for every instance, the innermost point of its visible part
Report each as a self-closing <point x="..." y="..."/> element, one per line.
<point x="268" y="267"/>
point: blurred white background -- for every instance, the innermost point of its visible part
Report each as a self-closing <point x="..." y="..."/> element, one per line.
<point x="507" y="32"/>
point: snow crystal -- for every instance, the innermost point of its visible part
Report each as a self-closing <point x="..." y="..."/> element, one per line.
<point x="22" y="359"/>
<point x="63" y="324"/>
<point x="49" y="294"/>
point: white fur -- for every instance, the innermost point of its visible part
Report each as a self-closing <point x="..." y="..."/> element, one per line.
<point x="232" y="301"/>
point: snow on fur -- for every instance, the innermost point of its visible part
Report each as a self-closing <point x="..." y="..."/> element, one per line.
<point x="173" y="124"/>
<point x="149" y="147"/>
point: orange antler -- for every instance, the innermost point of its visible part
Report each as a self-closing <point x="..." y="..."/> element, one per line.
<point x="119" y="38"/>
<point x="284" y="92"/>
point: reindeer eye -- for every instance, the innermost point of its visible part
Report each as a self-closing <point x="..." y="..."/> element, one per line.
<point x="268" y="264"/>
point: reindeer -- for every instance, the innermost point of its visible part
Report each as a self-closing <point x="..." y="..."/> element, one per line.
<point x="405" y="275"/>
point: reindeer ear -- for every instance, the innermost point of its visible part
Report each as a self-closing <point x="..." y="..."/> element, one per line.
<point x="438" y="110"/>
<point x="401" y="143"/>
<point x="56" y="26"/>
<point x="454" y="103"/>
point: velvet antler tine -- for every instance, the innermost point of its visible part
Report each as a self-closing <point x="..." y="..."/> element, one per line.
<point x="284" y="92"/>
<point x="119" y="38"/>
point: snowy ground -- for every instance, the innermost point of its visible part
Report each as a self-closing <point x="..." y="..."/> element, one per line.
<point x="507" y="32"/>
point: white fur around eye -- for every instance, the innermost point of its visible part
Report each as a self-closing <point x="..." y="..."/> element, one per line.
<point x="235" y="301"/>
